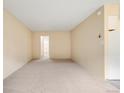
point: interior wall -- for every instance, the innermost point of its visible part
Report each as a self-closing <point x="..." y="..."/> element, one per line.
<point x="112" y="43"/>
<point x="17" y="44"/>
<point x="59" y="47"/>
<point x="87" y="48"/>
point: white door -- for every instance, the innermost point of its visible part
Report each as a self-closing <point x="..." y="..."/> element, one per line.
<point x="113" y="55"/>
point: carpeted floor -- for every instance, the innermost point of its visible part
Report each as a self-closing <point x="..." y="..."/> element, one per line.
<point x="54" y="76"/>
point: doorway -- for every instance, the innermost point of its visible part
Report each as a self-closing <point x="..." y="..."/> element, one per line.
<point x="113" y="49"/>
<point x="44" y="46"/>
<point x="113" y="55"/>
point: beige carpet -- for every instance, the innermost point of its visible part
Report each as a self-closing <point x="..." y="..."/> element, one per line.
<point x="54" y="76"/>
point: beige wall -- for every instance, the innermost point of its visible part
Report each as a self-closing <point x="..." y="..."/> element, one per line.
<point x="17" y="44"/>
<point x="87" y="48"/>
<point x="60" y="44"/>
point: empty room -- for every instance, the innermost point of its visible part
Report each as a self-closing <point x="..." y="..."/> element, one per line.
<point x="61" y="46"/>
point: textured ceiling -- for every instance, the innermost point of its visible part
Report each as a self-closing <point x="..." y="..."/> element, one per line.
<point x="53" y="15"/>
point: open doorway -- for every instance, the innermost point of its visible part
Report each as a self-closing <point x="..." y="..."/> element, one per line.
<point x="44" y="46"/>
<point x="113" y="49"/>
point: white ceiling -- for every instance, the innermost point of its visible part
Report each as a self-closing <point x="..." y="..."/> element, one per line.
<point x="53" y="15"/>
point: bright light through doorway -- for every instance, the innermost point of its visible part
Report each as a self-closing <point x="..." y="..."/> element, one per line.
<point x="45" y="46"/>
